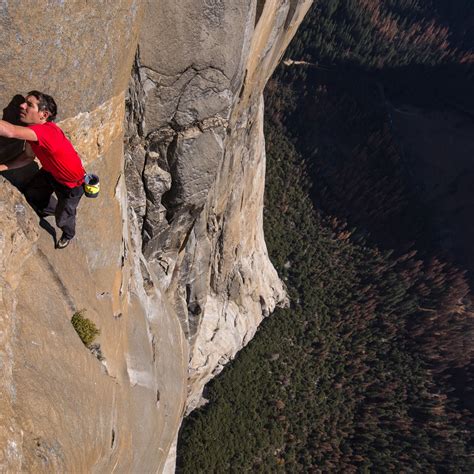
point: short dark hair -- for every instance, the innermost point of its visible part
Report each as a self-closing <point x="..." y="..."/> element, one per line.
<point x="45" y="102"/>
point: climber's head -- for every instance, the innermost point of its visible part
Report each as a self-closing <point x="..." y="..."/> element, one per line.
<point x="38" y="108"/>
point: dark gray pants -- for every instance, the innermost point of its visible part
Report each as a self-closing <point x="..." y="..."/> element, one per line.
<point x="39" y="193"/>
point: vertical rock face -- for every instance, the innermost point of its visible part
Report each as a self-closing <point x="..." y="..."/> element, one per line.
<point x="170" y="261"/>
<point x="196" y="105"/>
<point x="62" y="409"/>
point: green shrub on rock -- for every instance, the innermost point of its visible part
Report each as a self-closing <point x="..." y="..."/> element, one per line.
<point x="85" y="328"/>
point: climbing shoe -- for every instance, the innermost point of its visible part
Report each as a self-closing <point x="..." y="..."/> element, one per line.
<point x="62" y="243"/>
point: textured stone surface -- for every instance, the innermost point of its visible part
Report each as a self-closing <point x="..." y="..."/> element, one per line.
<point x="62" y="410"/>
<point x="193" y="166"/>
<point x="78" y="51"/>
<point x="94" y="132"/>
<point x="205" y="95"/>
<point x="201" y="110"/>
<point x="18" y="235"/>
<point x="196" y="34"/>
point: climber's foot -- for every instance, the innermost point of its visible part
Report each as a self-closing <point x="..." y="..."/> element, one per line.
<point x="63" y="242"/>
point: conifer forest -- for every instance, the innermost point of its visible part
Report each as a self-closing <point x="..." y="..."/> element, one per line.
<point x="370" y="368"/>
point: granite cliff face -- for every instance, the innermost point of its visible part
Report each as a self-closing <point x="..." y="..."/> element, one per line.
<point x="170" y="261"/>
<point x="196" y="164"/>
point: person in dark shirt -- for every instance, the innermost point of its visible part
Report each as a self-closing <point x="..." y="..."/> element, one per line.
<point x="61" y="172"/>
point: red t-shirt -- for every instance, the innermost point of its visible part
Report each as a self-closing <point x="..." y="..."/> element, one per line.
<point x="57" y="155"/>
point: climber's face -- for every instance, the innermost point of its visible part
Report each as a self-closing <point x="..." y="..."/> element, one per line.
<point x="30" y="113"/>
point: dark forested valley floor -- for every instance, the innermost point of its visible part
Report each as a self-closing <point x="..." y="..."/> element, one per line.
<point x="368" y="197"/>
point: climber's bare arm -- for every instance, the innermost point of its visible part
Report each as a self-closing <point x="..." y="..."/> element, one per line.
<point x="21" y="160"/>
<point x="15" y="131"/>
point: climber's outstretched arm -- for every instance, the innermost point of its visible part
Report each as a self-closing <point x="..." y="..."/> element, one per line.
<point x="15" y="131"/>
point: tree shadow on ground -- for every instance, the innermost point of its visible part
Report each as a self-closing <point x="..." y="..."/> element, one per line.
<point x="329" y="129"/>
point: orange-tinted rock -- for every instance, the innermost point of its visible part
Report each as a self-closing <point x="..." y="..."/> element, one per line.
<point x="169" y="317"/>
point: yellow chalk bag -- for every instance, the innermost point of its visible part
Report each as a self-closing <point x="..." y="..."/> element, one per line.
<point x="91" y="185"/>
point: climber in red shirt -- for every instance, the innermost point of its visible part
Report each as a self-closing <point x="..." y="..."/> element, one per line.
<point x="62" y="171"/>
